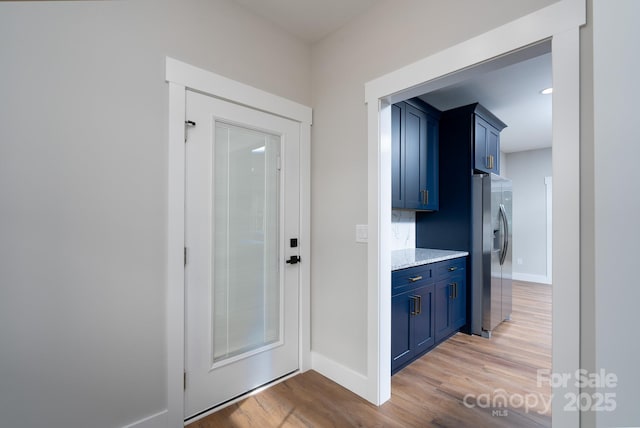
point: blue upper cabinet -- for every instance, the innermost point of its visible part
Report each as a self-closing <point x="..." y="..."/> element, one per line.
<point x="487" y="146"/>
<point x="484" y="129"/>
<point x="414" y="155"/>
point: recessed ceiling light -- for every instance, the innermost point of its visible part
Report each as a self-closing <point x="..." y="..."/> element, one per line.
<point x="546" y="91"/>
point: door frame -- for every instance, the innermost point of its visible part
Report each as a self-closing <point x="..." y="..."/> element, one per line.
<point x="560" y="23"/>
<point x="181" y="77"/>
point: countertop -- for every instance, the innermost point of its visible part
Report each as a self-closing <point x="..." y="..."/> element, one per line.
<point x="401" y="259"/>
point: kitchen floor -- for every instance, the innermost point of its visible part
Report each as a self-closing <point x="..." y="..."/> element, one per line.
<point x="467" y="381"/>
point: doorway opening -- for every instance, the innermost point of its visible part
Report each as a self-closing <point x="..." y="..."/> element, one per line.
<point x="560" y="24"/>
<point x="511" y="90"/>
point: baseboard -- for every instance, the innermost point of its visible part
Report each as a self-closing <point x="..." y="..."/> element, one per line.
<point x="344" y="376"/>
<point x="158" y="420"/>
<point x="542" y="279"/>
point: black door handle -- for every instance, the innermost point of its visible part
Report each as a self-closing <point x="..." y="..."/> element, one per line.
<point x="293" y="260"/>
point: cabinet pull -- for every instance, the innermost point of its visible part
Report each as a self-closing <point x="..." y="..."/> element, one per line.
<point x="452" y="268"/>
<point x="414" y="300"/>
<point x="417" y="304"/>
<point x="425" y="197"/>
<point x="454" y="290"/>
<point x="415" y="278"/>
<point x="490" y="161"/>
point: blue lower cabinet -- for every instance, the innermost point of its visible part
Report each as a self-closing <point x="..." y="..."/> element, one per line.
<point x="423" y="326"/>
<point x="412" y="325"/>
<point x="459" y="303"/>
<point x="451" y="306"/>
<point x="401" y="353"/>
<point x="426" y="309"/>
<point x="443" y="325"/>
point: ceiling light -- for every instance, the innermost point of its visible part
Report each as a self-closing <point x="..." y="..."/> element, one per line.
<point x="546" y="91"/>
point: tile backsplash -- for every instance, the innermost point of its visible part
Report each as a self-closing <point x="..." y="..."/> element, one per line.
<point x="403" y="229"/>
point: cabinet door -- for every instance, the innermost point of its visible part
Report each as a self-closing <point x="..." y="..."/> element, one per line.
<point x="493" y="149"/>
<point x="459" y="302"/>
<point x="401" y="307"/>
<point x="486" y="147"/>
<point x="442" y="309"/>
<point x="397" y="157"/>
<point x="422" y="320"/>
<point x="415" y="140"/>
<point x="420" y="168"/>
<point x="432" y="164"/>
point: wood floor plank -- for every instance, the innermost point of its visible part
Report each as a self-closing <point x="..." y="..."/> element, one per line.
<point x="451" y="386"/>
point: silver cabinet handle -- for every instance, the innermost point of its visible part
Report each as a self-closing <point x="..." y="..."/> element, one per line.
<point x="417" y="305"/>
<point x="415" y="278"/>
<point x="490" y="161"/>
<point x="425" y="197"/>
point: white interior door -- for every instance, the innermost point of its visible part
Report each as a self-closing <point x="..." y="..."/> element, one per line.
<point x="242" y="212"/>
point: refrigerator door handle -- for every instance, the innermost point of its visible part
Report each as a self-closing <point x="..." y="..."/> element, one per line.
<point x="505" y="238"/>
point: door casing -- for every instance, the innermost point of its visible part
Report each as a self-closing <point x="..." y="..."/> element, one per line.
<point x="559" y="23"/>
<point x="182" y="76"/>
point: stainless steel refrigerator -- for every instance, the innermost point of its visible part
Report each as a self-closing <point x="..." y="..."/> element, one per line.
<point x="491" y="271"/>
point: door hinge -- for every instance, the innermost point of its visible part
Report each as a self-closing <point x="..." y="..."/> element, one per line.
<point x="184" y="380"/>
<point x="185" y="256"/>
<point x="187" y="124"/>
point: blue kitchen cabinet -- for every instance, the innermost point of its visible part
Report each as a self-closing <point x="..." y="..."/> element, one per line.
<point x="412" y="325"/>
<point x="486" y="146"/>
<point x="428" y="305"/>
<point x="412" y="322"/>
<point x="414" y="155"/>
<point x="450" y="298"/>
<point x="470" y="134"/>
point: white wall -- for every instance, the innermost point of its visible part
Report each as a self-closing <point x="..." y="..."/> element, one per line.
<point x="616" y="203"/>
<point x="503" y="164"/>
<point x="83" y="191"/>
<point x="391" y="35"/>
<point x="527" y="171"/>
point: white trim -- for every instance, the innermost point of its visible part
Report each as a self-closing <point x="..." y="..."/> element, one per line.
<point x="529" y="29"/>
<point x="529" y="277"/>
<point x="175" y="257"/>
<point x="566" y="219"/>
<point x="560" y="22"/>
<point x="348" y="378"/>
<point x="222" y="87"/>
<point x="156" y="420"/>
<point x="548" y="188"/>
<point x="182" y="76"/>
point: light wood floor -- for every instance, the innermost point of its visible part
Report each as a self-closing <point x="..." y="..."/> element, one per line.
<point x="430" y="392"/>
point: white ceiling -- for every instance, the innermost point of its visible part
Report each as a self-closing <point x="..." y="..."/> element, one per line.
<point x="511" y="93"/>
<point x="310" y="20"/>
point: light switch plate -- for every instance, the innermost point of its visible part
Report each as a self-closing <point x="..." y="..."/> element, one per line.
<point x="362" y="233"/>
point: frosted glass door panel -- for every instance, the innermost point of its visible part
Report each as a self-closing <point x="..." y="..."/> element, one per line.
<point x="246" y="280"/>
